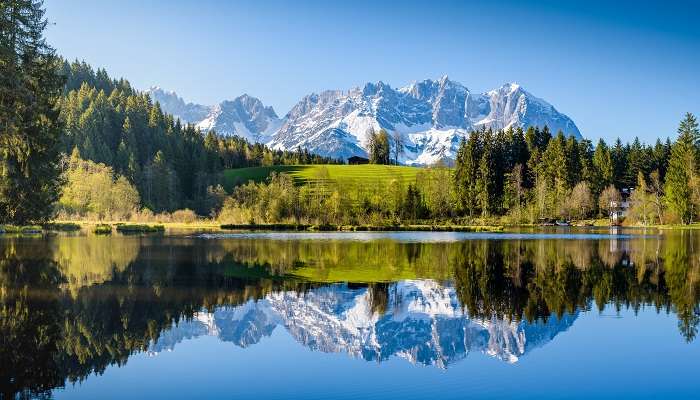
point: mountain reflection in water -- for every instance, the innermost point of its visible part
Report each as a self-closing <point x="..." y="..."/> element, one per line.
<point x="71" y="306"/>
<point x="424" y="324"/>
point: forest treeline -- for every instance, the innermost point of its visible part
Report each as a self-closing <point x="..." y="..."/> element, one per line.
<point x="50" y="107"/>
<point x="510" y="176"/>
<point x="172" y="165"/>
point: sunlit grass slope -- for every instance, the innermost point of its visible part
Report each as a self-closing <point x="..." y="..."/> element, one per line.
<point x="307" y="174"/>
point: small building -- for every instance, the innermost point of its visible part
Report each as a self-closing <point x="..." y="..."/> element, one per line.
<point x="356" y="160"/>
<point x="618" y="210"/>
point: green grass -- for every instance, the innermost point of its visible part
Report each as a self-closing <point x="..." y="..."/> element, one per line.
<point x="307" y="174"/>
<point x="103" y="229"/>
<point x="25" y="230"/>
<point x="364" y="228"/>
<point x="139" y="228"/>
<point x="62" y="226"/>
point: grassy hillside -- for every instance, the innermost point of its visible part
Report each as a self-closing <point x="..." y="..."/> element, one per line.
<point x="305" y="174"/>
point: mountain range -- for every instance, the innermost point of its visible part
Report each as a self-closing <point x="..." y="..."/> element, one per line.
<point x="424" y="324"/>
<point x="430" y="116"/>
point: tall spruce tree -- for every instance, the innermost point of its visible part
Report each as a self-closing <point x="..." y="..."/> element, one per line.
<point x="466" y="169"/>
<point x="29" y="125"/>
<point x="485" y="182"/>
<point x="682" y="170"/>
<point x="618" y="153"/>
<point x="603" y="165"/>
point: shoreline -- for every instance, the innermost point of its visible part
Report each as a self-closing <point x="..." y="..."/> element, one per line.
<point x="155" y="227"/>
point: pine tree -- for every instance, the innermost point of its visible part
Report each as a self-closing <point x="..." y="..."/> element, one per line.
<point x="29" y="121"/>
<point x="659" y="156"/>
<point x="555" y="172"/>
<point x="465" y="177"/>
<point x="619" y="162"/>
<point x="637" y="162"/>
<point x="682" y="170"/>
<point x="603" y="165"/>
<point x="689" y="126"/>
<point x="485" y="190"/>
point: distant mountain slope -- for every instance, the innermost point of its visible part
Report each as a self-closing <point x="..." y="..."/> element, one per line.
<point x="431" y="116"/>
<point x="244" y="116"/>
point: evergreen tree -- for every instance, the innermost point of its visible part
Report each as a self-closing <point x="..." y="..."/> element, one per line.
<point x="30" y="128"/>
<point x="485" y="183"/>
<point x="682" y="171"/>
<point x="689" y="126"/>
<point x="603" y="166"/>
<point x="466" y="170"/>
<point x="659" y="157"/>
<point x="555" y="172"/>
<point x="637" y="162"/>
<point x="587" y="172"/>
<point x="618" y="155"/>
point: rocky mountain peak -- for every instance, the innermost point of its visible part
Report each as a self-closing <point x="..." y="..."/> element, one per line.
<point x="431" y="115"/>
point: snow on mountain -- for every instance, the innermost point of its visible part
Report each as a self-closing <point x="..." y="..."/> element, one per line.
<point x="424" y="324"/>
<point x="244" y="116"/>
<point x="173" y="104"/>
<point x="431" y="116"/>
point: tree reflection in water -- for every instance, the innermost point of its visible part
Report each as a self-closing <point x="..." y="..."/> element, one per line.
<point x="71" y="306"/>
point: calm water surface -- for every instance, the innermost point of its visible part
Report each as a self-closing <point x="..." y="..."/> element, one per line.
<point x="349" y="316"/>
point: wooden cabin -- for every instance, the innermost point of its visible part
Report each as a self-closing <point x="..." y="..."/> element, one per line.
<point x="356" y="160"/>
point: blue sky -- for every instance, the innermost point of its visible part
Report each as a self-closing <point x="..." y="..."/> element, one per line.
<point x="624" y="69"/>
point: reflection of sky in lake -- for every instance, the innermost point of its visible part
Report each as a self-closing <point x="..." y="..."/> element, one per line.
<point x="600" y="356"/>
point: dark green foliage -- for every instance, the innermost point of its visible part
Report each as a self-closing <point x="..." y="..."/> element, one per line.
<point x="618" y="154"/>
<point x="62" y="226"/>
<point x="173" y="166"/>
<point x="682" y="175"/>
<point x="413" y="204"/>
<point x="379" y="148"/>
<point x="103" y="229"/>
<point x="466" y="172"/>
<point x="138" y="228"/>
<point x="29" y="126"/>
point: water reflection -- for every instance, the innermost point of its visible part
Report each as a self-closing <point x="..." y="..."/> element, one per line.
<point x="72" y="306"/>
<point x="419" y="320"/>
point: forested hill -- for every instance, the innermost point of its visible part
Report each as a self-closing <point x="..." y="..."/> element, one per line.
<point x="172" y="165"/>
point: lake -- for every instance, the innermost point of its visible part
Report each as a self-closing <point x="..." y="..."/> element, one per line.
<point x="548" y="315"/>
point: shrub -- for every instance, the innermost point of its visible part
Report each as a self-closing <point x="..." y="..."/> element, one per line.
<point x="139" y="228"/>
<point x="186" y="216"/>
<point x="62" y="226"/>
<point x="103" y="229"/>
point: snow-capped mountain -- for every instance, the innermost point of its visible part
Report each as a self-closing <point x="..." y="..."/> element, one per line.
<point x="430" y="116"/>
<point x="173" y="104"/>
<point x="424" y="323"/>
<point x="244" y="116"/>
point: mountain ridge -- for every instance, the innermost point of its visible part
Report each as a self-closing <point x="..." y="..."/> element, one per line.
<point x="430" y="116"/>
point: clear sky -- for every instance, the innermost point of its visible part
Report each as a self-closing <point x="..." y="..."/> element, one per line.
<point x="617" y="68"/>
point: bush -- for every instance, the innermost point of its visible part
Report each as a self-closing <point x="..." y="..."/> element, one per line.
<point x="145" y="215"/>
<point x="103" y="229"/>
<point x="139" y="228"/>
<point x="62" y="226"/>
<point x="186" y="216"/>
<point x="94" y="189"/>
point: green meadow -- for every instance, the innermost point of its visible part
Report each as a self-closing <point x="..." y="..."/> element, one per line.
<point x="323" y="174"/>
